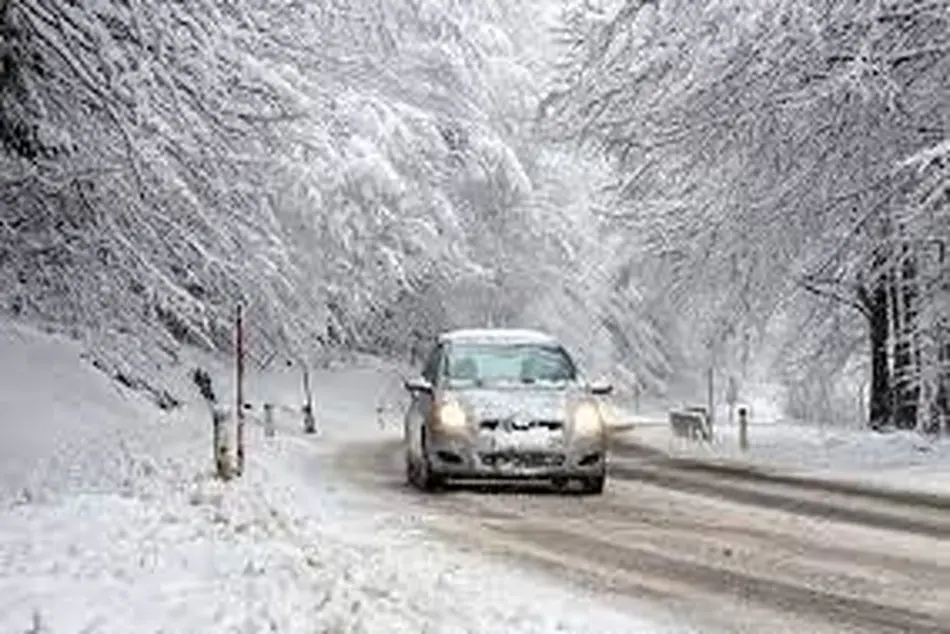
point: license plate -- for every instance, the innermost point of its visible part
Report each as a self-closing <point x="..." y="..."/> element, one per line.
<point x="537" y="439"/>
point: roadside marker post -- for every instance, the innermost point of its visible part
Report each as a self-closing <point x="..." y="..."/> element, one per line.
<point x="269" y="430"/>
<point x="732" y="396"/>
<point x="743" y="429"/>
<point x="222" y="466"/>
<point x="219" y="438"/>
<point x="309" y="422"/>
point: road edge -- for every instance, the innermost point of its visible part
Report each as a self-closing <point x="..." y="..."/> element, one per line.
<point x="623" y="444"/>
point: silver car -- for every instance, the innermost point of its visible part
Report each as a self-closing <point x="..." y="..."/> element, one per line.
<point x="503" y="404"/>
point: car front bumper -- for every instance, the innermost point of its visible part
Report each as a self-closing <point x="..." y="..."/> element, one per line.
<point x="468" y="455"/>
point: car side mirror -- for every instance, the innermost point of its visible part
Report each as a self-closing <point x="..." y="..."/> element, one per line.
<point x="601" y="388"/>
<point x="418" y="385"/>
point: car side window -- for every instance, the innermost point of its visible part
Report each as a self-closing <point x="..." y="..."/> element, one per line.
<point x="430" y="372"/>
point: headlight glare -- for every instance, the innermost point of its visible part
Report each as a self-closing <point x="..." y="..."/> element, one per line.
<point x="451" y="415"/>
<point x="587" y="419"/>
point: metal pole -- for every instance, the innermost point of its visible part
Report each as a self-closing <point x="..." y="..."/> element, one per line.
<point x="239" y="352"/>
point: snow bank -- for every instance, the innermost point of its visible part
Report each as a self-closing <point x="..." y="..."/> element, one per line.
<point x="124" y="530"/>
<point x="902" y="459"/>
<point x="64" y="425"/>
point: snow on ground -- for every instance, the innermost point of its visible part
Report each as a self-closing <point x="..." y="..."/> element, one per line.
<point x="897" y="459"/>
<point x="111" y="522"/>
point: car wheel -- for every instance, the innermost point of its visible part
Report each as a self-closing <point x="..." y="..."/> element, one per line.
<point x="411" y="470"/>
<point x="594" y="485"/>
<point x="426" y="479"/>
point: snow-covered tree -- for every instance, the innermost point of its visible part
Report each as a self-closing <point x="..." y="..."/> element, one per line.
<point x="758" y="148"/>
<point x="358" y="174"/>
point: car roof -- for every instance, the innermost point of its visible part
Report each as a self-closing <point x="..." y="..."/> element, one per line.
<point x="499" y="336"/>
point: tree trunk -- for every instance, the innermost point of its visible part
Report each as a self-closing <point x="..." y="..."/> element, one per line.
<point x="942" y="401"/>
<point x="906" y="358"/>
<point x="943" y="391"/>
<point x="880" y="406"/>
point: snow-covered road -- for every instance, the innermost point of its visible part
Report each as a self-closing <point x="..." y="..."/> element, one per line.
<point x="110" y="522"/>
<point x="726" y="564"/>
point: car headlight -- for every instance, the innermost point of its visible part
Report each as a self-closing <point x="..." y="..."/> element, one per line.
<point x="451" y="415"/>
<point x="587" y="419"/>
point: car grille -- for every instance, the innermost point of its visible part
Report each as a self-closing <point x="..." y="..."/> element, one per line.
<point x="528" y="459"/>
<point x="501" y="423"/>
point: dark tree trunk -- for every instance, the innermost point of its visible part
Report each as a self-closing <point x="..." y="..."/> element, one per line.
<point x="893" y="334"/>
<point x="880" y="409"/>
<point x="938" y="413"/>
<point x="942" y="401"/>
<point x="943" y="393"/>
<point x="906" y="357"/>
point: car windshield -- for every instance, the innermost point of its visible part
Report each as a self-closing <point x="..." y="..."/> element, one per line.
<point x="482" y="364"/>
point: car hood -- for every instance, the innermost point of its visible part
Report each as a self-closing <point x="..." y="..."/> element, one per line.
<point x="523" y="403"/>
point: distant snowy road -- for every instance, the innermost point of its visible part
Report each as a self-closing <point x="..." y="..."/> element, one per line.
<point x="730" y="566"/>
